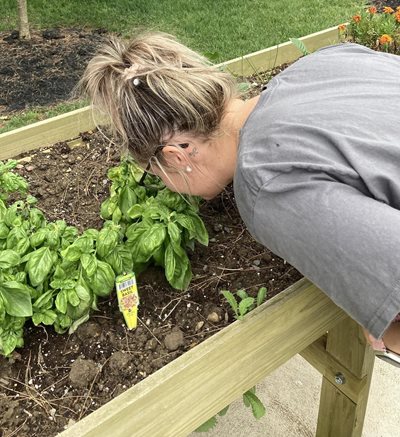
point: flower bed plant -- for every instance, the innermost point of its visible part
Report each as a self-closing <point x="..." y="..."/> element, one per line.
<point x="379" y="30"/>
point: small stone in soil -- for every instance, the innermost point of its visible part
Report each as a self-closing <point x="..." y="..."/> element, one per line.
<point x="119" y="361"/>
<point x="82" y="372"/>
<point x="174" y="339"/>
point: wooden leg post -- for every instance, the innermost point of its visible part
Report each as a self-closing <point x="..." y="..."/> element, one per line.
<point x="345" y="388"/>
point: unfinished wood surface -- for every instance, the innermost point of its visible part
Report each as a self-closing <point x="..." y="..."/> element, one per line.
<point x="341" y="415"/>
<point x="280" y="54"/>
<point x="71" y="124"/>
<point x="46" y="132"/>
<point x="184" y="394"/>
<point x="328" y="366"/>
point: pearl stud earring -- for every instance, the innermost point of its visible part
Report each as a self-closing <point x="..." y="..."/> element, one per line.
<point x="188" y="169"/>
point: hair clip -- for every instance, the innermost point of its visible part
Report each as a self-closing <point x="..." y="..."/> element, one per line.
<point x="136" y="81"/>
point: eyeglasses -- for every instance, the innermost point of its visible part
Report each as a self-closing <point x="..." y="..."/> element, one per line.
<point x="158" y="150"/>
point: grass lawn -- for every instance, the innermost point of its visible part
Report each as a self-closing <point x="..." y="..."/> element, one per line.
<point x="229" y="28"/>
<point x="220" y="29"/>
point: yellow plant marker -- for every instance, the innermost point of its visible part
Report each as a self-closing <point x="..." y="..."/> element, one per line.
<point x="128" y="298"/>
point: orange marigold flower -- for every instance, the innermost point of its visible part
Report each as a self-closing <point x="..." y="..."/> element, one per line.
<point x="385" y="39"/>
<point x="357" y="18"/>
<point x="342" y="27"/>
<point x="372" y="10"/>
<point x="388" y="10"/>
<point x="398" y="8"/>
<point x="397" y="16"/>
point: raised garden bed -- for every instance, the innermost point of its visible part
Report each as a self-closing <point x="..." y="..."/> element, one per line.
<point x="56" y="381"/>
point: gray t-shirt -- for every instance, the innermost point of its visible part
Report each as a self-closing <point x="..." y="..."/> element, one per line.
<point x="318" y="176"/>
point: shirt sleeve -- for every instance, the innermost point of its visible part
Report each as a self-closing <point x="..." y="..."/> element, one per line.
<point x="346" y="243"/>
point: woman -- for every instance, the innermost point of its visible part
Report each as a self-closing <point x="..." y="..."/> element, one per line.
<point x="315" y="159"/>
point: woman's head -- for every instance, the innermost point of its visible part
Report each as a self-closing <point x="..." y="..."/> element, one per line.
<point x="153" y="89"/>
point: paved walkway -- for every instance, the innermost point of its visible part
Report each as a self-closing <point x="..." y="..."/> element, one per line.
<point x="291" y="397"/>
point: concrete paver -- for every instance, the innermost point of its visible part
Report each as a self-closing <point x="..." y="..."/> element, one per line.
<point x="291" y="396"/>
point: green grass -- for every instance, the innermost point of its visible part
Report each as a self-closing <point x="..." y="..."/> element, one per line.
<point x="227" y="27"/>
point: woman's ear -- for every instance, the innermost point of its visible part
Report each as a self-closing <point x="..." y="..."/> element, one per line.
<point x="174" y="157"/>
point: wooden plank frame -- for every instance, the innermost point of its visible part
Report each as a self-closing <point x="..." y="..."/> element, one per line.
<point x="178" y="398"/>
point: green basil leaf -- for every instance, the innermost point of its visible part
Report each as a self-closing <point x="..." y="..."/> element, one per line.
<point x="3" y="209"/>
<point x="37" y="318"/>
<point x="18" y="240"/>
<point x="183" y="272"/>
<point x="4" y="230"/>
<point x="135" y="231"/>
<point x="39" y="265"/>
<point x="91" y="234"/>
<point x="200" y="231"/>
<point x="16" y="298"/>
<point x="107" y="208"/>
<point x="73" y="297"/>
<point x="20" y="277"/>
<point x="69" y="235"/>
<point x="64" y="321"/>
<point x="174" y="201"/>
<point x="44" y="301"/>
<point x="84" y="243"/>
<point x="150" y="241"/>
<point x="127" y="198"/>
<point x="117" y="215"/>
<point x="85" y="302"/>
<point x="9" y="258"/>
<point x="89" y="264"/>
<point x="59" y="273"/>
<point x="48" y="317"/>
<point x="63" y="284"/>
<point x="107" y="241"/>
<point x="12" y="218"/>
<point x="136" y="211"/>
<point x="38" y="237"/>
<point x="77" y="322"/>
<point x="61" y="302"/>
<point x="102" y="281"/>
<point x="37" y="218"/>
<point x="115" y="261"/>
<point x="174" y="234"/>
<point x="169" y="262"/>
<point x="72" y="253"/>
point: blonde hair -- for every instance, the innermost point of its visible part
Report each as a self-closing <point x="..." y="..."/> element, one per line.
<point x="153" y="87"/>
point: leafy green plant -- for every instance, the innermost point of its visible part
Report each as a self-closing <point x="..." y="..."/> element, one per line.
<point x="300" y="45"/>
<point x="246" y="303"/>
<point x="240" y="308"/>
<point x="250" y="400"/>
<point x="48" y="273"/>
<point x="377" y="30"/>
<point x="158" y="225"/>
<point x="53" y="276"/>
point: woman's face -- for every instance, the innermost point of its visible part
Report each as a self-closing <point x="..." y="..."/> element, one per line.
<point x="195" y="169"/>
<point x="190" y="180"/>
